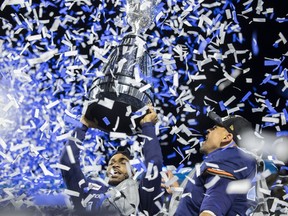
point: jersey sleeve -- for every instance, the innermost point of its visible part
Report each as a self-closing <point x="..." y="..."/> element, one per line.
<point x="216" y="199"/>
<point x="150" y="188"/>
<point x="74" y="178"/>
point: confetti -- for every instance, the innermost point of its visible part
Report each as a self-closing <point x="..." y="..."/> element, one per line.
<point x="213" y="181"/>
<point x="238" y="187"/>
<point x="49" y="59"/>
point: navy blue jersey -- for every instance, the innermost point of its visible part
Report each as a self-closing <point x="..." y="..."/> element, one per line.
<point x="207" y="190"/>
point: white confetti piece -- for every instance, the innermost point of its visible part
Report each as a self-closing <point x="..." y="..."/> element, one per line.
<point x="129" y="111"/>
<point x="3" y="143"/>
<point x="259" y="20"/>
<point x="45" y="170"/>
<point x="71" y="193"/>
<point x="206" y="98"/>
<point x="270" y="119"/>
<point x="144" y="88"/>
<point x="212" y="165"/>
<point x="44" y="126"/>
<point x="229" y="101"/>
<point x="60" y="166"/>
<point x="64" y="136"/>
<point x="71" y="53"/>
<point x="240" y="170"/>
<point x="43" y="58"/>
<point x="34" y="37"/>
<point x="213" y="181"/>
<point x="238" y="187"/>
<point x="11" y="2"/>
<point x="148" y="189"/>
<point x="118" y="135"/>
<point x="116" y="124"/>
<point x="233" y="110"/>
<point x="264" y="191"/>
<point x="186" y="194"/>
<point x="152" y="172"/>
<point x="198" y="169"/>
<point x="70" y="154"/>
<point x="106" y="103"/>
<point x="197" y="77"/>
<point x="87" y="199"/>
<point x="282" y="38"/>
<point x="19" y="146"/>
<point x="69" y="114"/>
<point x="121" y="64"/>
<point x="52" y="104"/>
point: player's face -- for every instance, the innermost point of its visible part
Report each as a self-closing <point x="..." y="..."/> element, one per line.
<point x="117" y="169"/>
<point x="214" y="138"/>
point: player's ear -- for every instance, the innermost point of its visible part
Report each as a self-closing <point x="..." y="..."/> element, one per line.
<point x="229" y="137"/>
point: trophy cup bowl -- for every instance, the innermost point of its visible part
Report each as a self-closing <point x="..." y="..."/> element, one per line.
<point x="118" y="95"/>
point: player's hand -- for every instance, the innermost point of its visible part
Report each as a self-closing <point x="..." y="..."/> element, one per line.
<point x="89" y="123"/>
<point x="150" y="117"/>
<point x="173" y="185"/>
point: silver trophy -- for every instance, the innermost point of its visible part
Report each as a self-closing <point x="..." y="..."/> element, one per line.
<point x="127" y="85"/>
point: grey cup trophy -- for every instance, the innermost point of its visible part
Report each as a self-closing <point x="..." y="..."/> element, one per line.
<point x="127" y="85"/>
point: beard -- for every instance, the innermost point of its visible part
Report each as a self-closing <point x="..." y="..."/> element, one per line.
<point x="115" y="181"/>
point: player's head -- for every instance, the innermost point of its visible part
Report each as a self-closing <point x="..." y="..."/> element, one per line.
<point x="119" y="167"/>
<point x="226" y="130"/>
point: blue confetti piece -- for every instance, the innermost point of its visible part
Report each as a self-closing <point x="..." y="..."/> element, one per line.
<point x="179" y="167"/>
<point x="281" y="133"/>
<point x="173" y="102"/>
<point x="251" y="195"/>
<point x="255" y="47"/>
<point x="202" y="46"/>
<point x="271" y="62"/>
<point x="174" y="138"/>
<point x="269" y="106"/>
<point x="276" y="45"/>
<point x="173" y="155"/>
<point x="285" y="114"/>
<point x="285" y="74"/>
<point x="283" y="168"/>
<point x="266" y="79"/>
<point x="222" y="106"/>
<point x="264" y="93"/>
<point x="286" y="190"/>
<point x="246" y="96"/>
<point x="273" y="82"/>
<point x="106" y="121"/>
<point x="192" y="122"/>
<point x="73" y="121"/>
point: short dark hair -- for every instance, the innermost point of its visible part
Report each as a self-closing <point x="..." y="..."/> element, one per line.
<point x="123" y="150"/>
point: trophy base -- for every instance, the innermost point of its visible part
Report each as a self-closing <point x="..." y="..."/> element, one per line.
<point x="116" y="118"/>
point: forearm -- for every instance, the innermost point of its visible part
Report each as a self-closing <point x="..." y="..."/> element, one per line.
<point x="74" y="178"/>
<point x="71" y="152"/>
<point x="150" y="184"/>
<point x="151" y="149"/>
